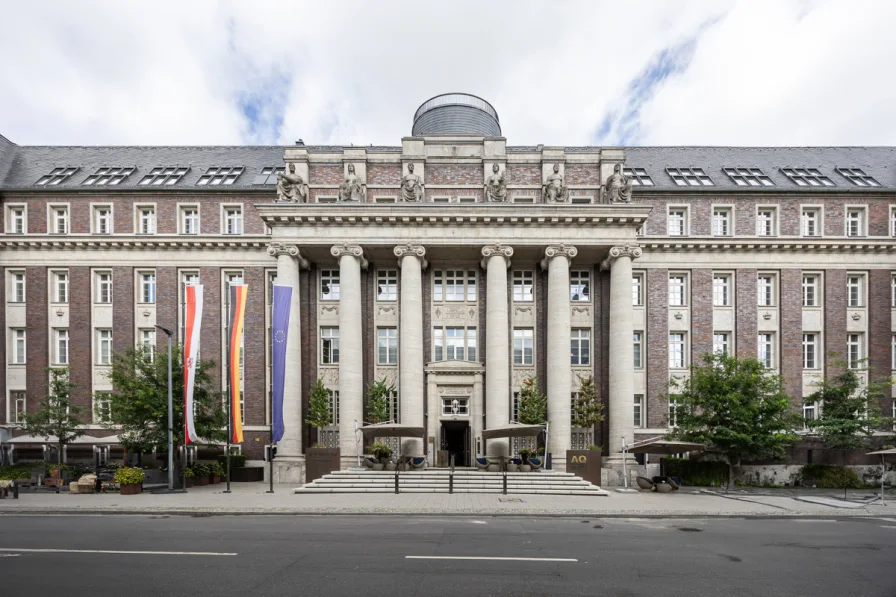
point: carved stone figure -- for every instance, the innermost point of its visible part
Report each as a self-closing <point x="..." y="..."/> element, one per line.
<point x="290" y="186"/>
<point x="411" y="186"/>
<point x="554" y="190"/>
<point x="495" y="188"/>
<point x="352" y="189"/>
<point x="619" y="187"/>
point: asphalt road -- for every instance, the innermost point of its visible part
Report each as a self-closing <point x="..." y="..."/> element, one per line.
<point x="370" y="556"/>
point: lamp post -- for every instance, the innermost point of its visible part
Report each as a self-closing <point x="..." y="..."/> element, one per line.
<point x="170" y="417"/>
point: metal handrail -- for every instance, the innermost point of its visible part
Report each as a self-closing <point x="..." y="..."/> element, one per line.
<point x="456" y="99"/>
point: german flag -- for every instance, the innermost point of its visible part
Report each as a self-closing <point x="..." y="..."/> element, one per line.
<point x="238" y="295"/>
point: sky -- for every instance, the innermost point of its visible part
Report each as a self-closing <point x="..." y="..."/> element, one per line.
<point x="721" y="72"/>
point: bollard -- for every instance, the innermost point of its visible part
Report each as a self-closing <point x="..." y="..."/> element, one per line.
<point x="15" y="490"/>
<point x="396" y="480"/>
<point x="505" y="483"/>
<point x="451" y="476"/>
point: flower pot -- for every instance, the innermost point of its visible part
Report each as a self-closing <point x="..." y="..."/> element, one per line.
<point x="216" y="479"/>
<point x="200" y="481"/>
<point x="131" y="489"/>
<point x="390" y="466"/>
<point x="378" y="466"/>
<point x="189" y="481"/>
<point x="513" y="468"/>
<point x="525" y="468"/>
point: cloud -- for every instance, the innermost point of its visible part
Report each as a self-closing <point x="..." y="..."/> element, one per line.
<point x="570" y="73"/>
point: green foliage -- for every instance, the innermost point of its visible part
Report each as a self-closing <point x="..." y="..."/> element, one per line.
<point x="848" y="410"/>
<point x="11" y="473"/>
<point x="588" y="410"/>
<point x="139" y="405"/>
<point x="378" y="401"/>
<point x="693" y="472"/>
<point x="218" y="469"/>
<point x="129" y="476"/>
<point x="736" y="407"/>
<point x="830" y="477"/>
<point x="189" y="474"/>
<point x="56" y="415"/>
<point x="319" y="414"/>
<point x="594" y="448"/>
<point x="236" y="460"/>
<point x="381" y="451"/>
<point x="200" y="469"/>
<point x="533" y="409"/>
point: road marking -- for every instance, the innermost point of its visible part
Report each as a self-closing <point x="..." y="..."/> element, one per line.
<point x="9" y="555"/>
<point x="109" y="551"/>
<point x="887" y="519"/>
<point x="496" y="559"/>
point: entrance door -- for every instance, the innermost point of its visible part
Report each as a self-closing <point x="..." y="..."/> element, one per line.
<point x="455" y="440"/>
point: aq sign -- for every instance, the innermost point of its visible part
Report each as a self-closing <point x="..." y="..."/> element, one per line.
<point x="584" y="463"/>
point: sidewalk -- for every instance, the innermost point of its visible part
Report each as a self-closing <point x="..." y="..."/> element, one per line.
<point x="251" y="498"/>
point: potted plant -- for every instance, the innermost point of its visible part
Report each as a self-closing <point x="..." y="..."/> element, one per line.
<point x="200" y="474"/>
<point x="381" y="452"/>
<point x="525" y="467"/>
<point x="190" y="476"/>
<point x="130" y="480"/>
<point x="319" y="459"/>
<point x="217" y="472"/>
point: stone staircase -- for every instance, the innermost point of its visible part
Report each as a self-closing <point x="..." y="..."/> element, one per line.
<point x="437" y="481"/>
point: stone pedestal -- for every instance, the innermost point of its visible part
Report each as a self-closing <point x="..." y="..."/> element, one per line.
<point x="288" y="469"/>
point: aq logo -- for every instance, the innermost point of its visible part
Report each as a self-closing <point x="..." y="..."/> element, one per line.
<point x="580" y="459"/>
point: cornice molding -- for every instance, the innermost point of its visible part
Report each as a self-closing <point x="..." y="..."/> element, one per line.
<point x="134" y="243"/>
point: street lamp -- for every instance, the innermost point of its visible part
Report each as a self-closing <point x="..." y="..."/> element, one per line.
<point x="170" y="416"/>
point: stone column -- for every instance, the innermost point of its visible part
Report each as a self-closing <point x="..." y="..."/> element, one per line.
<point x="476" y="412"/>
<point x="496" y="262"/>
<point x="410" y="343"/>
<point x="432" y="399"/>
<point x="559" y="367"/>
<point x="289" y="464"/>
<point x="351" y="354"/>
<point x="622" y="389"/>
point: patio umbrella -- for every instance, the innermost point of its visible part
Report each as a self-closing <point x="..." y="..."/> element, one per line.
<point x="664" y="446"/>
<point x="513" y="430"/>
<point x="883" y="466"/>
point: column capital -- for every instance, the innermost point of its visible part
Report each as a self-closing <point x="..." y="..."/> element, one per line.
<point x="276" y="249"/>
<point x="630" y="251"/>
<point x="411" y="250"/>
<point x="496" y="250"/>
<point x="561" y="250"/>
<point x="347" y="250"/>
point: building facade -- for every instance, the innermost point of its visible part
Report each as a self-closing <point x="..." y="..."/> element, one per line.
<point x="454" y="266"/>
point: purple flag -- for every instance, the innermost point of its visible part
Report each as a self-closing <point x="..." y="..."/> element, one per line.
<point x="279" y="336"/>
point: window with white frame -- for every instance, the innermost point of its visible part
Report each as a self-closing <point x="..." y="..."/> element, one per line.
<point x="807" y="177"/>
<point x="186" y="279"/>
<point x="19" y="347"/>
<point x="334" y="406"/>
<point x="855" y="350"/>
<point x="268" y="175"/>
<point x="448" y="405"/>
<point x="580" y="200"/>
<point x="677" y="350"/>
<point x="16" y="223"/>
<point x="678" y="287"/>
<point x="810" y="351"/>
<point x="638" y="349"/>
<point x="103" y="288"/>
<point x="810" y="290"/>
<point x="721" y="343"/>
<point x="721" y="221"/>
<point x="60" y="287"/>
<point x="329" y="346"/>
<point x="387" y="346"/>
<point x="810" y="413"/>
<point x="147" y="344"/>
<point x="233" y="219"/>
<point x="580" y="349"/>
<point x="523" y="199"/>
<point x="765" y="290"/>
<point x="102" y="219"/>
<point x="515" y="408"/>
<point x="454" y="285"/>
<point x="893" y="292"/>
<point x="61" y="344"/>
<point x="892" y="221"/>
<point x="189" y="219"/>
<point x="59" y="220"/>
<point x="893" y="355"/>
<point x="638" y="290"/>
<point x="673" y="411"/>
<point x="394" y="406"/>
<point x="454" y="344"/>
<point x="766" y="221"/>
<point x="17" y="282"/>
<point x="109" y="175"/>
<point x="163" y="175"/>
<point x="102" y="407"/>
<point x="721" y="290"/>
<point x="766" y="349"/>
<point x="810" y="221"/>
<point x="329" y="284"/>
<point x="579" y="287"/>
<point x="146" y="220"/>
<point x="855" y="290"/>
<point x="855" y="221"/>
<point x="18" y="398"/>
<point x="523" y="286"/>
<point x="104" y="347"/>
<point x="640" y="412"/>
<point x="678" y="221"/>
<point x="386" y="284"/>
<point x="690" y="177"/>
<point x="523" y="346"/>
<point x="147" y="287"/>
<point x="384" y="200"/>
<point x="218" y="175"/>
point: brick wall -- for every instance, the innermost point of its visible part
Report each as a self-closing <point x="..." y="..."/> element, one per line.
<point x="167" y="305"/>
<point x="479" y="194"/>
<point x="325" y="174"/>
<point x="701" y="314"/>
<point x="657" y="352"/>
<point x="38" y="340"/>
<point x="541" y="326"/>
<point x="3" y="344"/>
<point x="744" y="215"/>
<point x="601" y="297"/>
<point x="79" y="215"/>
<point x="383" y="174"/>
<point x="792" y="333"/>
<point x="37" y="218"/>
<point x="745" y="307"/>
<point x="582" y="174"/>
<point x="834" y="320"/>
<point x="454" y="174"/>
<point x="123" y="308"/>
<point x="878" y="218"/>
<point x="879" y="325"/>
<point x="523" y="174"/>
<point x="254" y="364"/>
<point x="368" y="329"/>
<point x="308" y="322"/>
<point x="700" y="215"/>
<point x="81" y="341"/>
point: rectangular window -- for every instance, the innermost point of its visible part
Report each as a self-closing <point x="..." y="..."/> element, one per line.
<point x="809" y="222"/>
<point x="637" y="290"/>
<point x="394" y="407"/>
<point x="721" y="343"/>
<point x="18" y="287"/>
<point x="678" y="222"/>
<point x="766" y="224"/>
<point x="60" y="220"/>
<point x="189" y="220"/>
<point x="334" y="406"/>
<point x="523" y="286"/>
<point x="102" y="220"/>
<point x="329" y="346"/>
<point x="765" y="290"/>
<point x="638" y="349"/>
<point x="523" y="346"/>
<point x="233" y="220"/>
<point x="148" y="342"/>
<point x="810" y="291"/>
<point x="580" y="349"/>
<point x="454" y="344"/>
<point x="677" y="351"/>
<point x="454" y="285"/>
<point x="855" y="350"/>
<point x="810" y="351"/>
<point x="19" y="353"/>
<point x="104" y="288"/>
<point x="387" y="346"/>
<point x="147" y="220"/>
<point x="61" y="347"/>
<point x="721" y="290"/>
<point x="855" y="290"/>
<point x="455" y="406"/>
<point x="721" y="221"/>
<point x="104" y="347"/>
<point x="102" y="408"/>
<point x="329" y="284"/>
<point x="893" y="358"/>
<point x="148" y="287"/>
<point x="677" y="290"/>
<point x="186" y="279"/>
<point x="810" y="413"/>
<point x="766" y="354"/>
<point x="18" y="399"/>
<point x="673" y="412"/>
<point x="893" y="292"/>
<point x="386" y="284"/>
<point x="515" y="408"/>
<point x="60" y="287"/>
<point x="640" y="411"/>
<point x="579" y="286"/>
<point x="16" y="223"/>
<point x="855" y="222"/>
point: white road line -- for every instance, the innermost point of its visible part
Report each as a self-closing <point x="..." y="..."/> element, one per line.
<point x="109" y="551"/>
<point x="496" y="559"/>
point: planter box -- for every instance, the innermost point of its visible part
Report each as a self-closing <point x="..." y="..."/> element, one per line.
<point x="216" y="479"/>
<point x="189" y="481"/>
<point x="247" y="474"/>
<point x="584" y="463"/>
<point x="200" y="481"/>
<point x="320" y="462"/>
<point x="131" y="489"/>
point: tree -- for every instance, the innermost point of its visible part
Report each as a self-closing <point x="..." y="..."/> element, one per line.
<point x="533" y="408"/>
<point x="139" y="404"/>
<point x="378" y="401"/>
<point x="587" y="410"/>
<point x="56" y="415"/>
<point x="736" y="407"/>
<point x="319" y="414"/>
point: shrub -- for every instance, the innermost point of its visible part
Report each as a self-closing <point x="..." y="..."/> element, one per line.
<point x="11" y="473"/>
<point x="693" y="472"/>
<point x="381" y="451"/>
<point x="129" y="476"/>
<point x="201" y="470"/>
<point x="594" y="448"/>
<point x="236" y="460"/>
<point x="829" y="476"/>
<point x="218" y="469"/>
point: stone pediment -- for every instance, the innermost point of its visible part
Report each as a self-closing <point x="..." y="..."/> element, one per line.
<point x="455" y="367"/>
